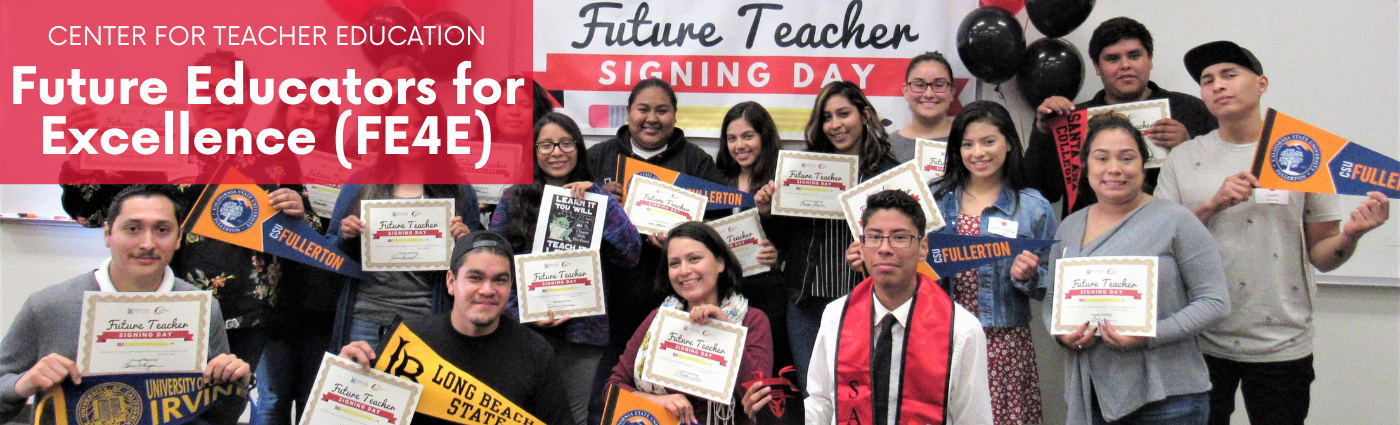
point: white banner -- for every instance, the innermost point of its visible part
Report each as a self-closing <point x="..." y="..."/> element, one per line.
<point x="719" y="53"/>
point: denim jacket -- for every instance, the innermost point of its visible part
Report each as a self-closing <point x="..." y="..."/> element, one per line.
<point x="1002" y="301"/>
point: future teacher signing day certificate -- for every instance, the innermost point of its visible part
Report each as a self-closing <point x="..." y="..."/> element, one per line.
<point x="565" y="282"/>
<point x="144" y="332"/>
<point x="406" y="235"/>
<point x="1121" y="290"/>
<point x="656" y="206"/>
<point x="808" y="183"/>
<point x="699" y="359"/>
<point x="346" y="393"/>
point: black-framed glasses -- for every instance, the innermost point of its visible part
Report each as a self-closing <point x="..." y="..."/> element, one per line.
<point x="897" y="241"/>
<point x="565" y="145"/>
<point x="939" y="86"/>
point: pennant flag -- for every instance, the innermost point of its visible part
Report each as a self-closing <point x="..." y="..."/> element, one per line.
<point x="621" y="407"/>
<point x="952" y="254"/>
<point x="449" y="393"/>
<point x="720" y="196"/>
<point x="1296" y="156"/>
<point x="133" y="399"/>
<point x="240" y="214"/>
<point x="1068" y="131"/>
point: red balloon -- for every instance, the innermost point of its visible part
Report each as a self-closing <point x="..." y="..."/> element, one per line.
<point x="423" y="7"/>
<point x="351" y="11"/>
<point x="1013" y="6"/>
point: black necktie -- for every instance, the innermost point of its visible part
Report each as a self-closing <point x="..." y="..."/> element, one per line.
<point x="880" y="371"/>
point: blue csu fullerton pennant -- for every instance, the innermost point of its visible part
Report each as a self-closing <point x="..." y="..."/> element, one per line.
<point x="1293" y="155"/>
<point x="133" y="399"/>
<point x="952" y="254"/>
<point x="718" y="196"/>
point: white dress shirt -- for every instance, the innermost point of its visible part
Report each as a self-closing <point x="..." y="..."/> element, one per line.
<point x="104" y="278"/>
<point x="969" y="396"/>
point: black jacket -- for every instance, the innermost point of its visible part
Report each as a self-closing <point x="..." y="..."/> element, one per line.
<point x="679" y="155"/>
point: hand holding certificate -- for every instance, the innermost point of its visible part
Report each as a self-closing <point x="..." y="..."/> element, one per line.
<point x="808" y="183"/>
<point x="1142" y="114"/>
<point x="656" y="206"/>
<point x="699" y="359"/>
<point x="904" y="178"/>
<point x="144" y="332"/>
<point x="346" y="393"/>
<point x="1121" y="290"/>
<point x="566" y="283"/>
<point x="743" y="232"/>
<point x="407" y="235"/>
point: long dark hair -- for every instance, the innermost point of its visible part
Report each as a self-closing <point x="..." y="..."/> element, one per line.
<point x="987" y="112"/>
<point x="730" y="281"/>
<point x="874" y="143"/>
<point x="767" y="163"/>
<point x="519" y="226"/>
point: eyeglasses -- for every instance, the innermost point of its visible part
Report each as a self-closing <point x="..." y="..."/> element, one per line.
<point x="939" y="86"/>
<point x="565" y="145"/>
<point x="896" y="241"/>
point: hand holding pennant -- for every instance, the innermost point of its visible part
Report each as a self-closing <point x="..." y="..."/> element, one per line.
<point x="240" y="213"/>
<point x="1293" y="155"/>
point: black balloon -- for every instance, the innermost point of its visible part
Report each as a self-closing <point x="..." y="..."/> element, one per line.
<point x="1055" y="18"/>
<point x="1052" y="67"/>
<point x="377" y="23"/>
<point x="441" y="59"/>
<point x="991" y="43"/>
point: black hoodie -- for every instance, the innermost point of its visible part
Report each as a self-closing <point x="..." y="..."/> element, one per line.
<point x="679" y="155"/>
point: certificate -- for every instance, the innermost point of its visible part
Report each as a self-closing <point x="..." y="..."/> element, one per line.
<point x="1122" y="290"/>
<point x="489" y="193"/>
<point x="569" y="283"/>
<point x="130" y="119"/>
<point x="702" y="360"/>
<point x="1142" y="114"/>
<point x="904" y="178"/>
<point x="743" y="232"/>
<point x="656" y="206"/>
<point x="493" y="163"/>
<point x="346" y="393"/>
<point x="566" y="223"/>
<point x="808" y="183"/>
<point x="324" y="177"/>
<point x="931" y="156"/>
<point x="144" y="332"/>
<point x="406" y="235"/>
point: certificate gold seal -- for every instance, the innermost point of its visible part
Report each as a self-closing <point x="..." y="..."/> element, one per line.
<point x="111" y="403"/>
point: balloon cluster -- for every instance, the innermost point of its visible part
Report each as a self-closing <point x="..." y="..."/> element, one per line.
<point x="992" y="44"/>
<point x="440" y="60"/>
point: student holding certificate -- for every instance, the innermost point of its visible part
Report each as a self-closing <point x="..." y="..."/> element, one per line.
<point x="562" y="160"/>
<point x="748" y="161"/>
<point x="143" y="232"/>
<point x="813" y="250"/>
<point x="368" y="306"/>
<point x="700" y="277"/>
<point x="1110" y="376"/>
<point x="1121" y="51"/>
<point x="984" y="193"/>
<point x="929" y="90"/>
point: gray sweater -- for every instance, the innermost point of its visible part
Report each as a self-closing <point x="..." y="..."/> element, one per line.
<point x="1191" y="297"/>
<point x="48" y="323"/>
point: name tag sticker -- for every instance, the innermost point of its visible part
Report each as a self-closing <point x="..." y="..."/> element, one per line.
<point x="1002" y="227"/>
<point x="1270" y="196"/>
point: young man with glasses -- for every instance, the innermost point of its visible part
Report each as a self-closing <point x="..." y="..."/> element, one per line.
<point x="1121" y="49"/>
<point x="861" y="371"/>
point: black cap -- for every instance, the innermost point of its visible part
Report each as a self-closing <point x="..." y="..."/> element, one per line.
<point x="478" y="239"/>
<point x="1205" y="55"/>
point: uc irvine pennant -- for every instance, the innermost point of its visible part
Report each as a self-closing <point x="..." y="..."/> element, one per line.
<point x="241" y="214"/>
<point x="133" y="399"/>
<point x="1293" y="155"/>
<point x="952" y="254"/>
<point x="719" y="196"/>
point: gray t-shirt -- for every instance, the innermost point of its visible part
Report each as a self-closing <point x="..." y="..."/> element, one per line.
<point x="389" y="294"/>
<point x="903" y="147"/>
<point x="1270" y="279"/>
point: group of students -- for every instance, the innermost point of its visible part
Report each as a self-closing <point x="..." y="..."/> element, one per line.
<point x="1235" y="277"/>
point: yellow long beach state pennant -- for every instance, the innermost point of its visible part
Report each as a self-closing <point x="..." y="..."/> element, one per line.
<point x="449" y="393"/>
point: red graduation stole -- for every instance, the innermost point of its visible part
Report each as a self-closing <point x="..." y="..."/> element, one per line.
<point x="928" y="345"/>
